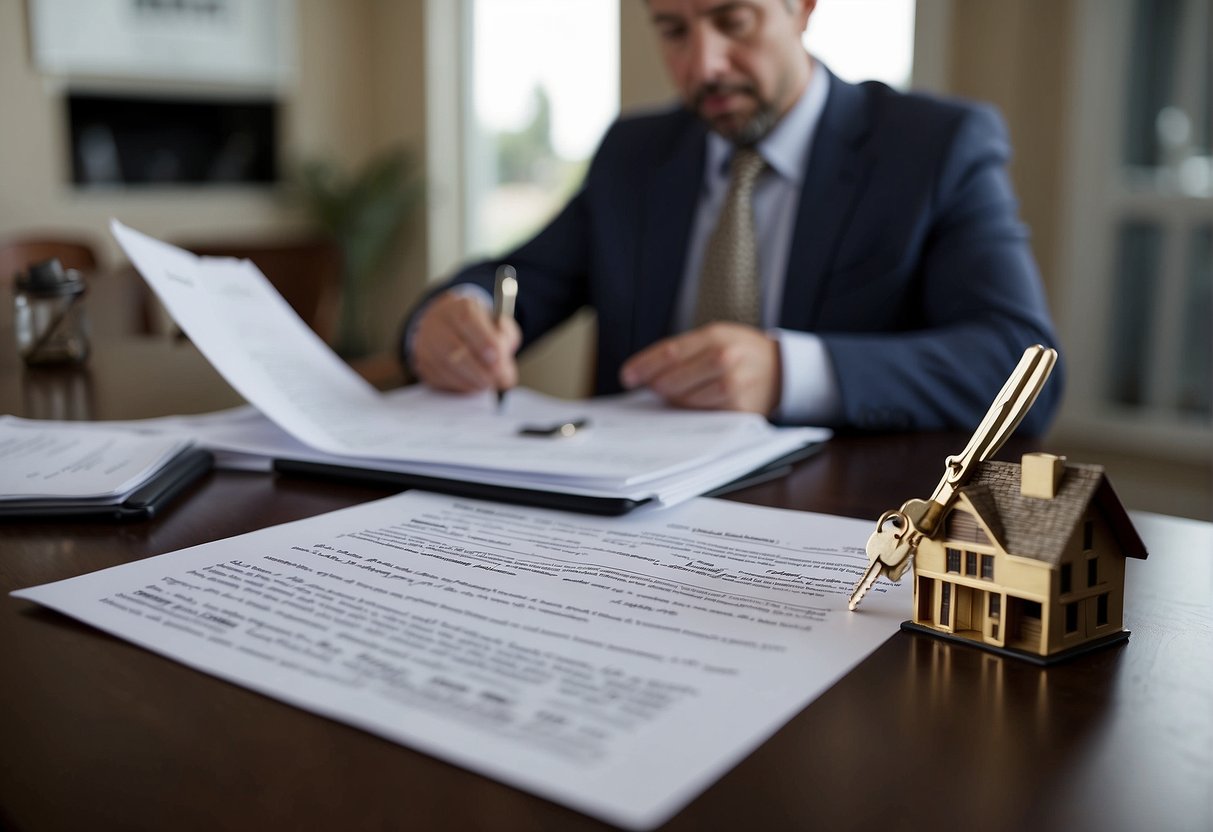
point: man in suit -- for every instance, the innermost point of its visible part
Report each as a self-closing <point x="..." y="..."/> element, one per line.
<point x="894" y="284"/>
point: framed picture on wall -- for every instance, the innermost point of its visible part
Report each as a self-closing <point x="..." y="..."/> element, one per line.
<point x="226" y="41"/>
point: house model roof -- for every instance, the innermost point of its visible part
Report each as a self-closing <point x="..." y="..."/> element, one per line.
<point x="1039" y="528"/>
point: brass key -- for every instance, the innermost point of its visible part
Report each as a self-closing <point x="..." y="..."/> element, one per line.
<point x="892" y="545"/>
<point x="886" y="554"/>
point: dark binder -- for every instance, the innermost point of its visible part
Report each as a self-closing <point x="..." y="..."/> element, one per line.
<point x="581" y="503"/>
<point x="775" y="469"/>
<point x="147" y="501"/>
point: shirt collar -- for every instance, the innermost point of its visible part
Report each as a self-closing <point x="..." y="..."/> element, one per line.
<point x="786" y="148"/>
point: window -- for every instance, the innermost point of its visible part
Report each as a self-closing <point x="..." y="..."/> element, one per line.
<point x="945" y="604"/>
<point x="987" y="567"/>
<point x="1071" y="618"/>
<point x="970" y="563"/>
<point x="925" y="596"/>
<point x="841" y="34"/>
<point x="1101" y="610"/>
<point x="1088" y="535"/>
<point x="1141" y="226"/>
<point x="519" y="92"/>
<point x="995" y="605"/>
<point x="1066" y="578"/>
<point x="954" y="561"/>
<point x="1092" y="571"/>
<point x="544" y="88"/>
<point x="498" y="72"/>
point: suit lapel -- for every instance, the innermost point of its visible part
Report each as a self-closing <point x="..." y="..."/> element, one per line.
<point x="834" y="179"/>
<point x="669" y="210"/>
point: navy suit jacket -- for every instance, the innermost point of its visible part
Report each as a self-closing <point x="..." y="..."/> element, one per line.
<point x="907" y="259"/>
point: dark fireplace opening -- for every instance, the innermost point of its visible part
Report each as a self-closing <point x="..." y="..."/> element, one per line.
<point x="146" y="141"/>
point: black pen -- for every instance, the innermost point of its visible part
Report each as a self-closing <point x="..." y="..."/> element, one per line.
<point x="505" y="291"/>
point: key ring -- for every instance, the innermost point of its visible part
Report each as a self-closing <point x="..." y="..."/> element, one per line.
<point x="903" y="522"/>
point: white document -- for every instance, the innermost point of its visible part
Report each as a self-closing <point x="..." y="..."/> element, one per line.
<point x="253" y="338"/>
<point x="617" y="666"/>
<point x="45" y="462"/>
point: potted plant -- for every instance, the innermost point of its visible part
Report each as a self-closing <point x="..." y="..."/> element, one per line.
<point x="365" y="212"/>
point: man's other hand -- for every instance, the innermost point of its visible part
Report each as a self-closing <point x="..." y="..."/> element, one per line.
<point x="458" y="346"/>
<point x="719" y="366"/>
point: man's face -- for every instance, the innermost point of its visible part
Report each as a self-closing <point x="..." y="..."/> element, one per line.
<point x="739" y="64"/>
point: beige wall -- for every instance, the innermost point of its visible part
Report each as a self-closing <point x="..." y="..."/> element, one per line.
<point x="642" y="81"/>
<point x="358" y="88"/>
<point x="397" y="84"/>
<point x="1016" y="56"/>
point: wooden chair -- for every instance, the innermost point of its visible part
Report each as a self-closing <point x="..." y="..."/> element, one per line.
<point x="307" y="272"/>
<point x="18" y="253"/>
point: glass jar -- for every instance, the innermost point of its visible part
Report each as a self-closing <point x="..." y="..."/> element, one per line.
<point x="48" y="315"/>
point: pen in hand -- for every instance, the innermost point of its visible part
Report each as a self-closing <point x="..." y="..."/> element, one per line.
<point x="505" y="291"/>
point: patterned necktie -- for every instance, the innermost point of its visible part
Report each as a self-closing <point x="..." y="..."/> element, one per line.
<point x="728" y="284"/>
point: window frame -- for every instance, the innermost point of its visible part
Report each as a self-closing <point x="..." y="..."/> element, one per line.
<point x="447" y="87"/>
<point x="1098" y="201"/>
<point x="450" y="136"/>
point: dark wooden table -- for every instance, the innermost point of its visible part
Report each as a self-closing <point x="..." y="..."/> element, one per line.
<point x="97" y="733"/>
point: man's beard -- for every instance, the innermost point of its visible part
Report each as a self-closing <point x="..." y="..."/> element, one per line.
<point x="752" y="129"/>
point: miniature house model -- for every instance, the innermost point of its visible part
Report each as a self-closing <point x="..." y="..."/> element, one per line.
<point x="1029" y="559"/>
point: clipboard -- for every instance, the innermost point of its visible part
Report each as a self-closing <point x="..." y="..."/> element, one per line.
<point x="536" y="498"/>
<point x="775" y="469"/>
<point x="581" y="503"/>
<point x="146" y="502"/>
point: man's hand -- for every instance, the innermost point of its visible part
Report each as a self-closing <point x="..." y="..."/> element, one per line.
<point x="719" y="366"/>
<point x="458" y="346"/>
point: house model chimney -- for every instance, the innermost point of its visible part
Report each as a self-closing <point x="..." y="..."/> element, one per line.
<point x="1040" y="475"/>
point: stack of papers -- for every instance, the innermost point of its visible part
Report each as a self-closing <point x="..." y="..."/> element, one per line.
<point x="670" y="464"/>
<point x="316" y="409"/>
<point x="46" y="467"/>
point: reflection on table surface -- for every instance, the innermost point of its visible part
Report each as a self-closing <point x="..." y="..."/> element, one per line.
<point x="127" y="375"/>
<point x="126" y="378"/>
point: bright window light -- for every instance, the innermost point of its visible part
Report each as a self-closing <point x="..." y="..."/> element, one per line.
<point x="545" y="87"/>
<point x="861" y="40"/>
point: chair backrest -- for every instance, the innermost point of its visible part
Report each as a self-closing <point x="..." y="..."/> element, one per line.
<point x="307" y="272"/>
<point x="17" y="254"/>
